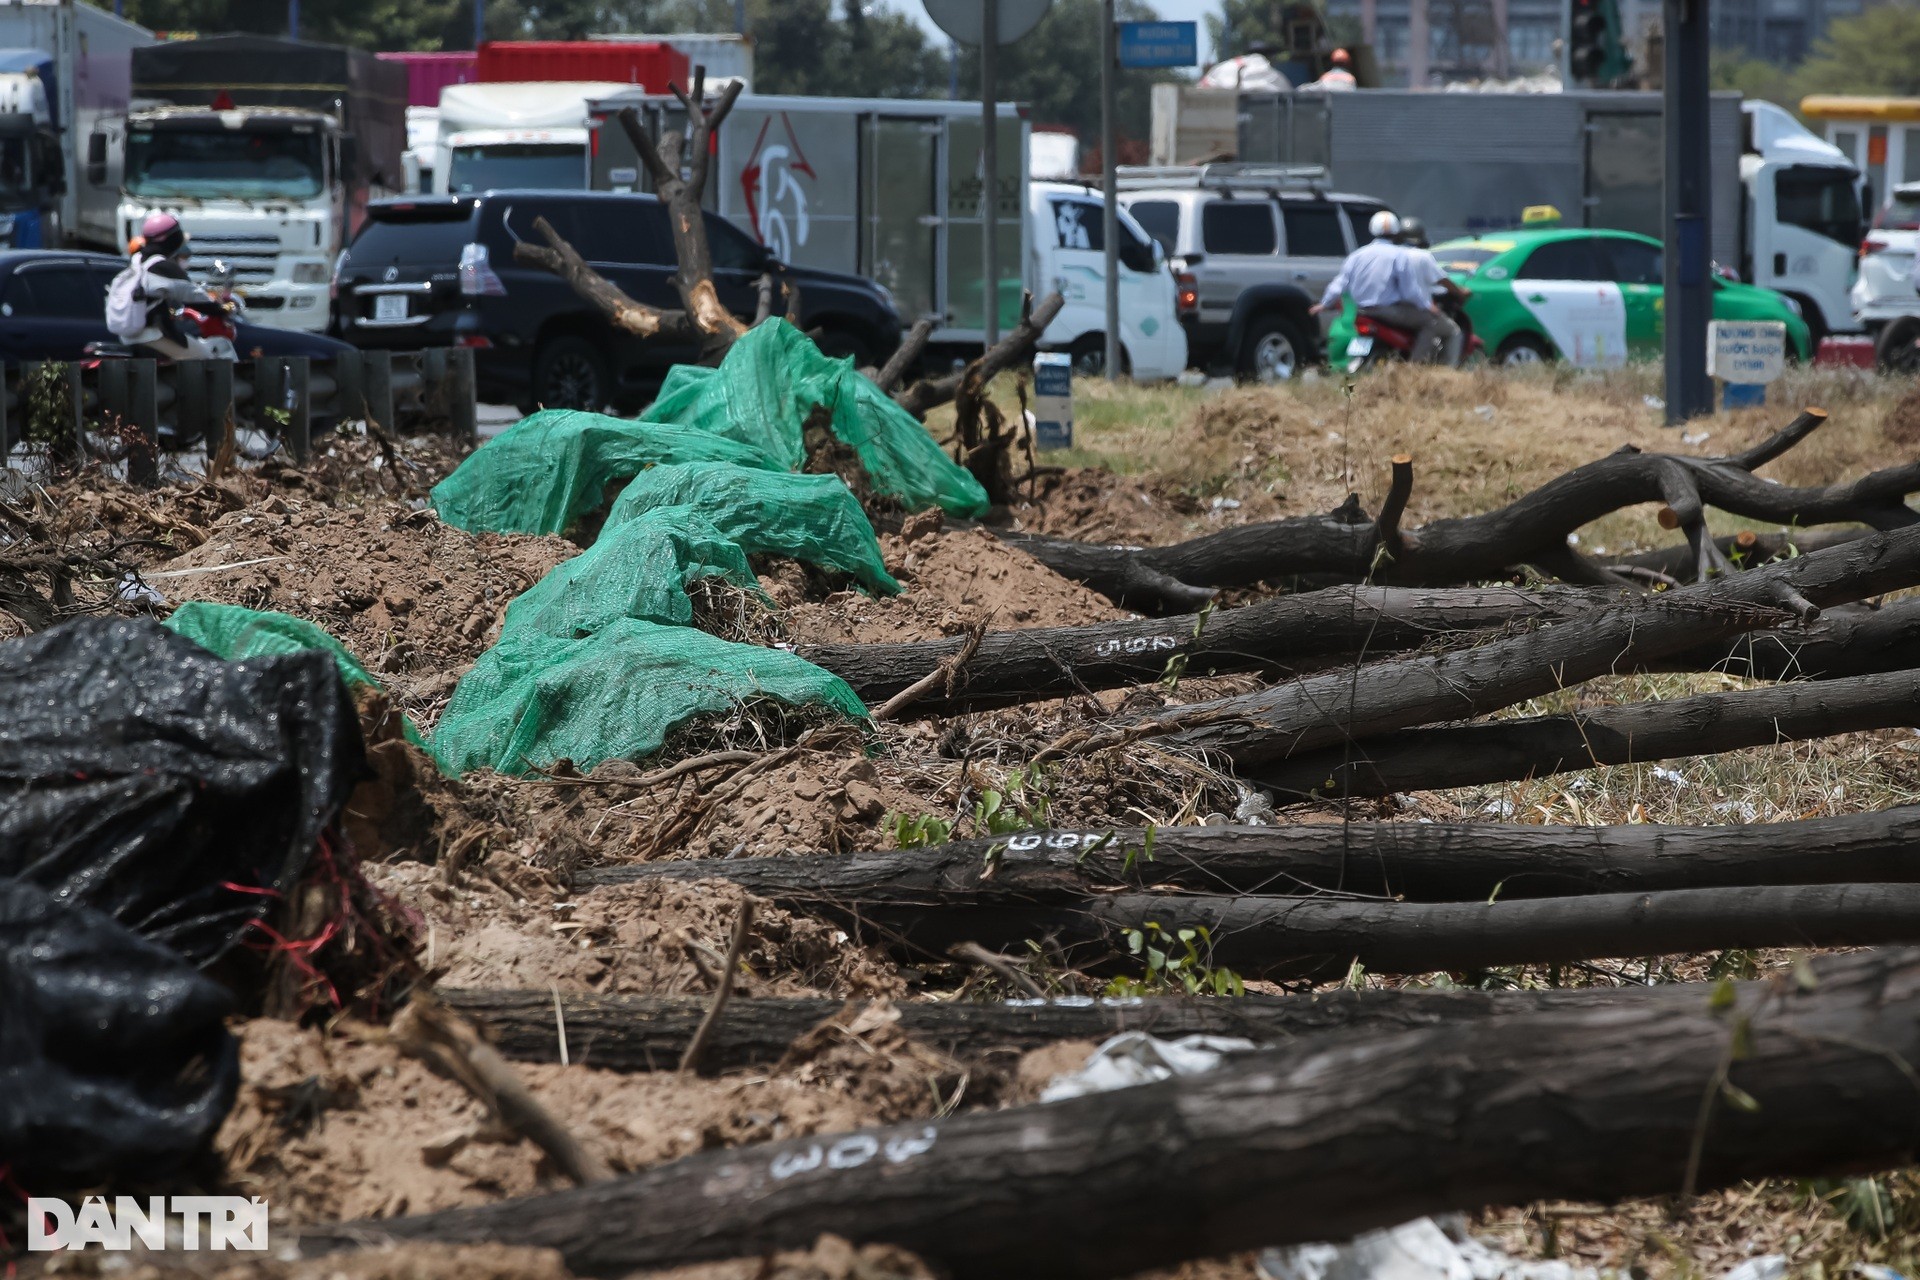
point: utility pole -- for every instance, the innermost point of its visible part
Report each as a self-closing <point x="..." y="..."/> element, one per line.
<point x="740" y="17"/>
<point x="293" y="19"/>
<point x="1110" y="184"/>
<point x="1419" y="44"/>
<point x="1687" y="288"/>
<point x="479" y="23"/>
<point x="989" y="172"/>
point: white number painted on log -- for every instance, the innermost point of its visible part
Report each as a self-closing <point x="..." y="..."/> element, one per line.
<point x="1058" y="840"/>
<point x="851" y="1152"/>
<point x="1138" y="644"/>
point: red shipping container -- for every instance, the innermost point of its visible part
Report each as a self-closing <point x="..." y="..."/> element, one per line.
<point x="651" y="66"/>
<point x="429" y="73"/>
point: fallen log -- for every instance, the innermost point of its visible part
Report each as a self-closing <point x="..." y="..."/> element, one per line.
<point x="649" y="1033"/>
<point x="1316" y="1140"/>
<point x="1530" y="531"/>
<point x="1468" y="755"/>
<point x="1275" y="636"/>
<point x="1849" y="641"/>
<point x="1744" y="550"/>
<point x="1336" y="708"/>
<point x="1406" y="861"/>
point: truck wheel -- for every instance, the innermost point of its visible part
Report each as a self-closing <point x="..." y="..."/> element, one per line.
<point x="1523" y="349"/>
<point x="1273" y="350"/>
<point x="570" y="372"/>
<point x="1898" y="350"/>
<point x="1089" y="354"/>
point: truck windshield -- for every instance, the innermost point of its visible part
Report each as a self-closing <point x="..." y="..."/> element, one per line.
<point x="224" y="164"/>
<point x="1819" y="200"/>
<point x="525" y="165"/>
<point x="16" y="168"/>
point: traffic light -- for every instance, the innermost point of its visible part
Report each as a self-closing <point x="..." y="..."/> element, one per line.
<point x="1596" y="53"/>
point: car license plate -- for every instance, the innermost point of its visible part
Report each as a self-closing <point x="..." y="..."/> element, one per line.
<point x="1360" y="347"/>
<point x="390" y="306"/>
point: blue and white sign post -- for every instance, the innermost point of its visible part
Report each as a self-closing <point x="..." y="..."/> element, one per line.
<point x="1133" y="45"/>
<point x="1745" y="355"/>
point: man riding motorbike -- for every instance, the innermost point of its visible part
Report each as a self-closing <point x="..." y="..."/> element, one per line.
<point x="1370" y="275"/>
<point x="143" y="299"/>
<point x="1423" y="277"/>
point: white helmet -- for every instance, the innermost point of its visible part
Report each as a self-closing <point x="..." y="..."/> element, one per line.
<point x="1383" y="226"/>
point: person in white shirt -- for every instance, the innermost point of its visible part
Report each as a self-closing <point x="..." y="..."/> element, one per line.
<point x="1370" y="275"/>
<point x="1438" y="333"/>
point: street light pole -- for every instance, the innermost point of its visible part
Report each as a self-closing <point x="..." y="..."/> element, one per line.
<point x="1687" y="288"/>
<point x="293" y="19"/>
<point x="990" y="172"/>
<point x="479" y="22"/>
<point x="1110" y="185"/>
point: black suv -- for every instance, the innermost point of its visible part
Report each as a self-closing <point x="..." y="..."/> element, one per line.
<point x="435" y="271"/>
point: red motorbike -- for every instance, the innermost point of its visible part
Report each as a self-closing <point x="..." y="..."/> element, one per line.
<point x="1376" y="340"/>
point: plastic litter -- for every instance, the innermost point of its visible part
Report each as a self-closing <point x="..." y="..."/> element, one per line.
<point x="145" y="778"/>
<point x="114" y="1053"/>
<point x="810" y="518"/>
<point x="1134" y="1057"/>
<point x="549" y="469"/>
<point x="533" y="700"/>
<point x="1424" y="1249"/>
<point x="639" y="568"/>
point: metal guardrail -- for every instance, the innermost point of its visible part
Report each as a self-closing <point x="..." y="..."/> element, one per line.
<point x="407" y="392"/>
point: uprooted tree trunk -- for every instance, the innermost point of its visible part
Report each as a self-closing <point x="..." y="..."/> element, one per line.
<point x="678" y="166"/>
<point x="1332" y="709"/>
<point x="649" y="1033"/>
<point x="622" y="311"/>
<point x="1316" y="1140"/>
<point x="1060" y="870"/>
<point x="1637" y="733"/>
<point x="1531" y="531"/>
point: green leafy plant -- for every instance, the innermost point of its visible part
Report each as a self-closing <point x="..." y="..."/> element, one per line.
<point x="1180" y="960"/>
<point x="918" y="830"/>
<point x="1021" y="805"/>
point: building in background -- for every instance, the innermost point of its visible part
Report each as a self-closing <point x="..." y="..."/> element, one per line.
<point x="1780" y="31"/>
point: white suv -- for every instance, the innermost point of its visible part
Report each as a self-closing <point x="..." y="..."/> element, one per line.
<point x="1884" y="289"/>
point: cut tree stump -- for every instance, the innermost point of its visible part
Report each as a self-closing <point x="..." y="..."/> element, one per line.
<point x="1637" y="733"/>
<point x="1317" y="1140"/>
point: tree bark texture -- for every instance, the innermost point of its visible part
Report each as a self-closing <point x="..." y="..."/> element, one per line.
<point x="1407" y="861"/>
<point x="1532" y="530"/>
<point x="606" y="297"/>
<point x="1316" y="1140"/>
<point x="649" y="1033"/>
<point x="1339" y="707"/>
<point x="1467" y="755"/>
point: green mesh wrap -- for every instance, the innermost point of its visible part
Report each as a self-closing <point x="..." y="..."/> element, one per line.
<point x="640" y="568"/>
<point x="548" y="470"/>
<point x="533" y="700"/>
<point x="811" y="518"/>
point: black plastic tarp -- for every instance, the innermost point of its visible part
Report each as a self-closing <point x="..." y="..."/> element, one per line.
<point x="142" y="776"/>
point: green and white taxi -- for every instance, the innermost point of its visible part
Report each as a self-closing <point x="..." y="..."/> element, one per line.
<point x="1590" y="297"/>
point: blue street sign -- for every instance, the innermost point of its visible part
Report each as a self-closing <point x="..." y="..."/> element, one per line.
<point x="1159" y="44"/>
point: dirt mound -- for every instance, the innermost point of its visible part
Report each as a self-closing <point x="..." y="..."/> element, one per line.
<point x="952" y="579"/>
<point x="1902" y="423"/>
<point x="501" y="927"/>
<point x="415" y="600"/>
<point x="344" y="1126"/>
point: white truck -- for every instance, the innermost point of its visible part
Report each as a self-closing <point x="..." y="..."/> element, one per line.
<point x="64" y="80"/>
<point x="530" y="133"/>
<point x="267" y="150"/>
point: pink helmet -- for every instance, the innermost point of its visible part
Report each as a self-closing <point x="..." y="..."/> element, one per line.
<point x="162" y="233"/>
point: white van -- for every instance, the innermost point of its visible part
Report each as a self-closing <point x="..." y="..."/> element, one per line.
<point x="1069" y="257"/>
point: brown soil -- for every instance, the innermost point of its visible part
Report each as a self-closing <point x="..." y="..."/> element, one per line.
<point x="952" y="578"/>
<point x="1902" y="423"/>
<point x="415" y="600"/>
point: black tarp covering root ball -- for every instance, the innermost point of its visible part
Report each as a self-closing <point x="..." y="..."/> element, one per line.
<point x="114" y="1052"/>
<point x="142" y="776"/>
<point x="155" y="801"/>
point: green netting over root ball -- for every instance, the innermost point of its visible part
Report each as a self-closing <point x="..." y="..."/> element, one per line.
<point x="619" y="694"/>
<point x="549" y="469"/>
<point x="233" y="633"/>
<point x="641" y="568"/>
<point x="812" y="518"/>
<point x="772" y="379"/>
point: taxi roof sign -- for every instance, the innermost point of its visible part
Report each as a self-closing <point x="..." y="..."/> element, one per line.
<point x="1539" y="215"/>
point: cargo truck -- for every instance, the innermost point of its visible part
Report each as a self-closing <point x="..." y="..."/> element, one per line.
<point x="1786" y="212"/>
<point x="267" y="150"/>
<point x="529" y="134"/>
<point x="65" y="77"/>
<point x="890" y="190"/>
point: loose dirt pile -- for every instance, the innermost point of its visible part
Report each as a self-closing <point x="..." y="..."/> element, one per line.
<point x="953" y="578"/>
<point x="415" y="600"/>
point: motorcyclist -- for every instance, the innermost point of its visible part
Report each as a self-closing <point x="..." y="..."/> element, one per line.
<point x="1372" y="275"/>
<point x="144" y="298"/>
<point x="1423" y="277"/>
